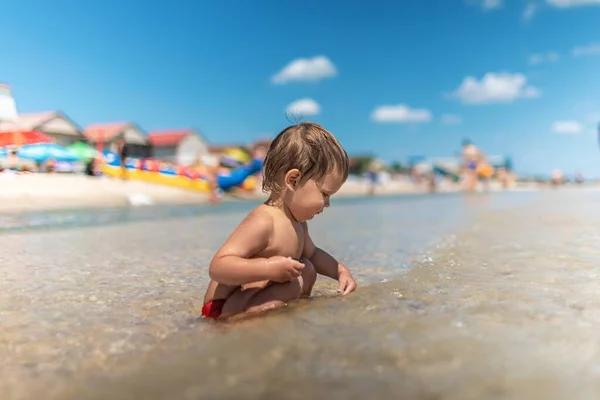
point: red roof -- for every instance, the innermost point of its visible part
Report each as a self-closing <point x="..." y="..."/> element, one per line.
<point x="104" y="132"/>
<point x="168" y="138"/>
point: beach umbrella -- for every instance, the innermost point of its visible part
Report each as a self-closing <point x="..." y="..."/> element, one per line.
<point x="42" y="152"/>
<point x="84" y="151"/>
<point x="19" y="138"/>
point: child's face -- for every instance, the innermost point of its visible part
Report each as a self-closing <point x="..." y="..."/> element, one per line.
<point x="310" y="199"/>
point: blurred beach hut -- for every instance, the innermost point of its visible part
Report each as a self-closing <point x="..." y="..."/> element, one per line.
<point x="106" y="137"/>
<point x="178" y="146"/>
<point x="54" y="124"/>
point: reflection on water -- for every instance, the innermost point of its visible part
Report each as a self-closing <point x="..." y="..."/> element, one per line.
<point x="77" y="218"/>
<point x="460" y="298"/>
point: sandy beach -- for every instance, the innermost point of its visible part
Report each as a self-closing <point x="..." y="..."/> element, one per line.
<point x="31" y="192"/>
<point x="44" y="192"/>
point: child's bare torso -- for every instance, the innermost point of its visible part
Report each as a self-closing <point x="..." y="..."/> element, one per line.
<point x="286" y="239"/>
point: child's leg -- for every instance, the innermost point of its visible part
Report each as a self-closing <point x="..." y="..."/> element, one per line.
<point x="275" y="295"/>
<point x="309" y="277"/>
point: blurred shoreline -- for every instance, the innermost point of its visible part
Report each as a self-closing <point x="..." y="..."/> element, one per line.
<point x="43" y="192"/>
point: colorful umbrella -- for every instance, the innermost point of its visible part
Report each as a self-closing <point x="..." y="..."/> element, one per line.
<point x="18" y="138"/>
<point x="43" y="151"/>
<point x="84" y="151"/>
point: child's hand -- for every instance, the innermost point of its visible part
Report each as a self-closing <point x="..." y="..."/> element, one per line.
<point x="347" y="282"/>
<point x="284" y="269"/>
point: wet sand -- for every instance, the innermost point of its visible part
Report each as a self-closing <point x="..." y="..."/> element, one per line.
<point x="504" y="305"/>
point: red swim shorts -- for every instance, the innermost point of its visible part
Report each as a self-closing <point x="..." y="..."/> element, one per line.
<point x="213" y="308"/>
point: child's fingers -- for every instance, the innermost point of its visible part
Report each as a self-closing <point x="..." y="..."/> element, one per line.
<point x="349" y="287"/>
<point x="346" y="286"/>
<point x="298" y="266"/>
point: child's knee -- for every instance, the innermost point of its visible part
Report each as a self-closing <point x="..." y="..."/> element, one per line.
<point x="309" y="277"/>
<point x="275" y="296"/>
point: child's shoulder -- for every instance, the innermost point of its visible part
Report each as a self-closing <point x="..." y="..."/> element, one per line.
<point x="261" y="215"/>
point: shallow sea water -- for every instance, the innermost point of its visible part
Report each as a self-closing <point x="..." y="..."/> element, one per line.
<point x="460" y="297"/>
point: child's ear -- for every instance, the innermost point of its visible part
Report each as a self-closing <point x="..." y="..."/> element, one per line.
<point x="292" y="178"/>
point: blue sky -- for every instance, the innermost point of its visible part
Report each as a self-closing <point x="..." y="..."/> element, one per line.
<point x="394" y="78"/>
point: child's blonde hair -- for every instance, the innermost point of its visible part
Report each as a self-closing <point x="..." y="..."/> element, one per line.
<point x="310" y="148"/>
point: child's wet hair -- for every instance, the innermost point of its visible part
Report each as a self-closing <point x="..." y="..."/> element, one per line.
<point x="308" y="147"/>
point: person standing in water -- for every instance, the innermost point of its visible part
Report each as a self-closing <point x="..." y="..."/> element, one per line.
<point x="372" y="177"/>
<point x="471" y="156"/>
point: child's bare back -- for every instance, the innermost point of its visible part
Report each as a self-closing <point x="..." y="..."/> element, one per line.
<point x="270" y="258"/>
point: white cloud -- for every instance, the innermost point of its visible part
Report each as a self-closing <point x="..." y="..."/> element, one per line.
<point x="451" y="119"/>
<point x="400" y="113"/>
<point x="552" y="57"/>
<point x="303" y="108"/>
<point x="495" y="88"/>
<point x="529" y="11"/>
<point x="533" y="7"/>
<point x="491" y="4"/>
<point x="487" y="5"/>
<point x="572" y="3"/>
<point x="567" y="127"/>
<point x="306" y="69"/>
<point x="587" y="50"/>
<point x="536" y="59"/>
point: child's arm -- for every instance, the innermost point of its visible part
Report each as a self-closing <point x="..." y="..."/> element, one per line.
<point x="328" y="266"/>
<point x="235" y="264"/>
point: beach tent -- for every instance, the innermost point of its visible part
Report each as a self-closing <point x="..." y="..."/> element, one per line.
<point x="20" y="138"/>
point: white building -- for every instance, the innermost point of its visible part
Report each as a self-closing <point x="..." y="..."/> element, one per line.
<point x="181" y="146"/>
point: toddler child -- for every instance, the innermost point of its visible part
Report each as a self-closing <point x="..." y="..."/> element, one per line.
<point x="270" y="258"/>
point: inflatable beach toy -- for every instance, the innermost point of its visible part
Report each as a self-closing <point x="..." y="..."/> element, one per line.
<point x="185" y="177"/>
<point x="237" y="154"/>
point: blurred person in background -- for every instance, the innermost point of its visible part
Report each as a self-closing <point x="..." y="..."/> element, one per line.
<point x="123" y="152"/>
